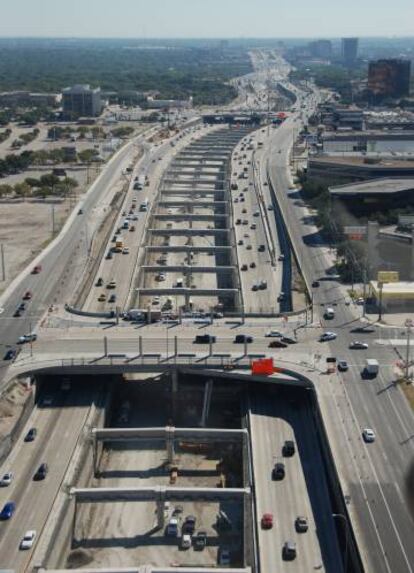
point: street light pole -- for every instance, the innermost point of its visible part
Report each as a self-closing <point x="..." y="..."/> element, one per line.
<point x="408" y="324"/>
<point x="341" y="516"/>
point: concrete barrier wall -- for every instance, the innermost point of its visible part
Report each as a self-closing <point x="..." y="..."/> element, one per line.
<point x="79" y="312"/>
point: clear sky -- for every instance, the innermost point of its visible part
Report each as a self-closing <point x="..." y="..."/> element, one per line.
<point x="206" y="18"/>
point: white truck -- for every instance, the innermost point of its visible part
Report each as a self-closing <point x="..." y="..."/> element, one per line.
<point x="329" y="313"/>
<point x="371" y="367"/>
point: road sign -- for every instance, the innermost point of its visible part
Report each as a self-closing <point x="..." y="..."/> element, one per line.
<point x="388" y="277"/>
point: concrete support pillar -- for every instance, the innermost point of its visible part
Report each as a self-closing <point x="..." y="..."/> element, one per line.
<point x="175" y="345"/>
<point x="95" y="456"/>
<point x="75" y="510"/>
<point x="174" y="381"/>
<point x="140" y="345"/>
<point x="208" y="390"/>
<point x="160" y="513"/>
<point x="187" y="302"/>
<point x="373" y="253"/>
<point x="169" y="443"/>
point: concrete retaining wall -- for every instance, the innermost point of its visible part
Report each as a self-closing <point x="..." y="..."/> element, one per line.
<point x="7" y="443"/>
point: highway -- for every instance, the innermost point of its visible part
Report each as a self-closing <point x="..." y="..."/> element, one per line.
<point x="303" y="491"/>
<point x="378" y="500"/>
<point x="58" y="425"/>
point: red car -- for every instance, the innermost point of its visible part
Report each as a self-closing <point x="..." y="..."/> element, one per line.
<point x="36" y="270"/>
<point x="27" y="295"/>
<point x="267" y="521"/>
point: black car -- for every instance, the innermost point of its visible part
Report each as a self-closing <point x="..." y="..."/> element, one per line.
<point x="189" y="524"/>
<point x="109" y="255"/>
<point x="17" y="313"/>
<point x="342" y="365"/>
<point x="22" y="306"/>
<point x="278" y="471"/>
<point x="200" y="540"/>
<point x="99" y="282"/>
<point x="204" y="339"/>
<point x="277" y="344"/>
<point x="41" y="473"/>
<point x="241" y="338"/>
<point x="288" y="449"/>
<point x="112" y="298"/>
<point x="31" y="435"/>
<point x="10" y="354"/>
<point x="315" y="284"/>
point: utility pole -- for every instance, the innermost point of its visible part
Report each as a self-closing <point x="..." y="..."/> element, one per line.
<point x="380" y="286"/>
<point x="53" y="220"/>
<point x="3" y="267"/>
<point x="408" y="324"/>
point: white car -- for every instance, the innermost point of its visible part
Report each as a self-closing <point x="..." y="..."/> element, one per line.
<point x="125" y="251"/>
<point x="357" y="345"/>
<point x="327" y="336"/>
<point x="273" y="334"/>
<point x="28" y="539"/>
<point x="186" y="541"/>
<point x="27" y="338"/>
<point x="6" y="479"/>
<point x="369" y="435"/>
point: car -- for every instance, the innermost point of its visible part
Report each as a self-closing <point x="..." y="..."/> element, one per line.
<point x="288" y="449"/>
<point x="281" y="257"/>
<point x="288" y="340"/>
<point x="244" y="267"/>
<point x="109" y="255"/>
<point x="112" y="298"/>
<point x="8" y="510"/>
<point x="342" y="365"/>
<point x="368" y="435"/>
<point x="241" y="338"/>
<point x="22" y="306"/>
<point x="301" y="524"/>
<point x="236" y="200"/>
<point x="6" y="479"/>
<point x="10" y="354"/>
<point x="240" y="242"/>
<point x="359" y="301"/>
<point x="99" y="282"/>
<point x="102" y="297"/>
<point x="267" y="521"/>
<point x="189" y="525"/>
<point x="200" y="539"/>
<point x="111" y="284"/>
<point x="273" y="334"/>
<point x="80" y="212"/>
<point x="204" y="339"/>
<point x="28" y="539"/>
<point x="277" y="344"/>
<point x="245" y="222"/>
<point x="125" y="251"/>
<point x="261" y="248"/>
<point x="289" y="551"/>
<point x="256" y="214"/>
<point x="36" y="270"/>
<point x="364" y="329"/>
<point x="253" y="226"/>
<point x="31" y="435"/>
<point x="186" y="541"/>
<point x="270" y="207"/>
<point x="327" y="336"/>
<point x="278" y="471"/>
<point x="358" y="345"/>
<point x="41" y="472"/>
<point x="17" y="313"/>
<point x="315" y="284"/>
<point x="172" y="527"/>
<point x="249" y="247"/>
<point x="224" y="556"/>
<point x="238" y="221"/>
<point x="27" y="295"/>
<point x="31" y="337"/>
<point x="253" y="265"/>
<point x="281" y="297"/>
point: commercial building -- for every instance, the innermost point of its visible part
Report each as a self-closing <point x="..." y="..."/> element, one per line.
<point x="25" y="98"/>
<point x="349" y="50"/>
<point x="321" y="49"/>
<point x="389" y="79"/>
<point x="81" y="101"/>
<point x="168" y="103"/>
<point x="393" y="297"/>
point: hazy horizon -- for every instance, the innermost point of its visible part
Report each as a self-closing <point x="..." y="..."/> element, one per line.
<point x="196" y="19"/>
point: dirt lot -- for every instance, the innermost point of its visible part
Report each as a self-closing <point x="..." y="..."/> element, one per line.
<point x="25" y="229"/>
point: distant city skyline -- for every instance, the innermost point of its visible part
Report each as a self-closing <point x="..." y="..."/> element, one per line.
<point x="206" y="19"/>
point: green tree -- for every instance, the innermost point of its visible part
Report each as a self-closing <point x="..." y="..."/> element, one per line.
<point x="22" y="189"/>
